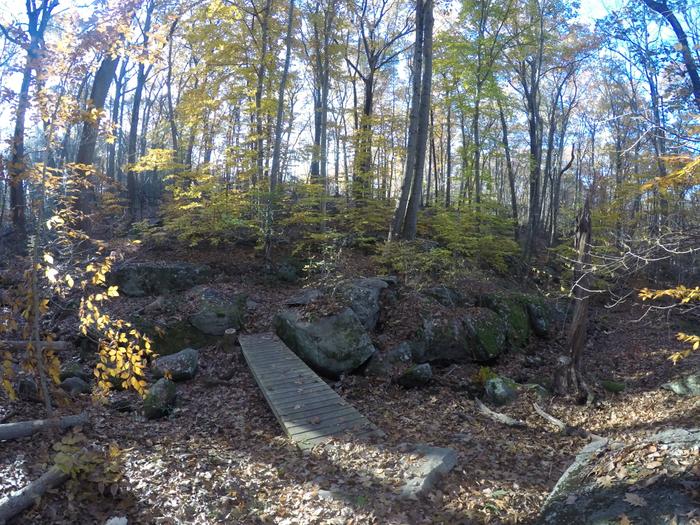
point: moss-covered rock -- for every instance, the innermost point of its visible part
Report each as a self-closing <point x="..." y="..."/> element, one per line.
<point x="160" y="400"/>
<point x="171" y="337"/>
<point x="477" y="335"/>
<point x="513" y="309"/>
<point x="332" y="345"/>
<point x="523" y="313"/>
<point x="487" y="332"/>
<point x="500" y="390"/>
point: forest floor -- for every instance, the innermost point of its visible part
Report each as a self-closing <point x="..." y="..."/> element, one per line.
<point x="221" y="457"/>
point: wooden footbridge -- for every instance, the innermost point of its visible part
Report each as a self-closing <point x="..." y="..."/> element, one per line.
<point x="309" y="411"/>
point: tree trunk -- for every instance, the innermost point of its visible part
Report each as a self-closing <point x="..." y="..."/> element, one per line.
<point x="134" y="124"/>
<point x="410" y="224"/>
<point x="88" y="138"/>
<point x="410" y="166"/>
<point x="510" y="171"/>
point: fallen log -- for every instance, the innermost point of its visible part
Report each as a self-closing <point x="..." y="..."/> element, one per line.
<point x="21" y="345"/>
<point x="498" y="417"/>
<point x="563" y="427"/>
<point x="27" y="428"/>
<point x="25" y="497"/>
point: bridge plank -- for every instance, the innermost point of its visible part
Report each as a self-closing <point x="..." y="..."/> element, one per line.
<point x="309" y="411"/>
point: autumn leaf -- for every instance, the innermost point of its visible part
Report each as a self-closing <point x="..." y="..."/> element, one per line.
<point x="624" y="520"/>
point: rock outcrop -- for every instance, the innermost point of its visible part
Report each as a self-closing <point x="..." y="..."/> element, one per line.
<point x="646" y="491"/>
<point x="148" y="278"/>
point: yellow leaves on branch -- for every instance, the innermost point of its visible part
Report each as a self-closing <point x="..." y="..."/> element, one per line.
<point x="684" y="296"/>
<point x="680" y="293"/>
<point x="123" y="350"/>
<point x="687" y="175"/>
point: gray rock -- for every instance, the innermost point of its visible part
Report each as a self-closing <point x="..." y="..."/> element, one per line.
<point x="446" y="296"/>
<point x="218" y="312"/>
<point x="140" y="279"/>
<point x="181" y="365"/>
<point x="27" y="390"/>
<point x="424" y="473"/>
<point x="400" y="354"/>
<point x="304" y="297"/>
<point x="500" y="390"/>
<point x="288" y="271"/>
<point x="160" y="399"/>
<point x="332" y="345"/>
<point x="376" y="366"/>
<point x="75" y="385"/>
<point x="416" y="376"/>
<point x="363" y="296"/>
<point x="538" y="319"/>
<point x="579" y="498"/>
<point x="117" y="520"/>
<point x="73" y="369"/>
<point x="685" y="386"/>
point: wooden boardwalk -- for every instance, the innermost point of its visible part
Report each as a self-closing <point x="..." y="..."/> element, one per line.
<point x="309" y="411"/>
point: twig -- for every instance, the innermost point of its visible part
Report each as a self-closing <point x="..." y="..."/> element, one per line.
<point x="498" y="417"/>
<point x="563" y="427"/>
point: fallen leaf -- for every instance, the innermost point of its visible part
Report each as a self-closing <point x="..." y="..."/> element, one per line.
<point x="624" y="520"/>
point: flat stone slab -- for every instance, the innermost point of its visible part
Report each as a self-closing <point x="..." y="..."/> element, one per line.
<point x="434" y="462"/>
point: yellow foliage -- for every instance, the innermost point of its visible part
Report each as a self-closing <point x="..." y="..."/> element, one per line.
<point x="683" y="295"/>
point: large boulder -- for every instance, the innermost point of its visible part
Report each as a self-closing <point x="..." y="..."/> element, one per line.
<point x="332" y="345"/>
<point x="180" y="366"/>
<point x="217" y="312"/>
<point x="148" y="278"/>
<point x="160" y="399"/>
<point x="477" y="335"/>
<point x="363" y="297"/>
<point x="650" y="485"/>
